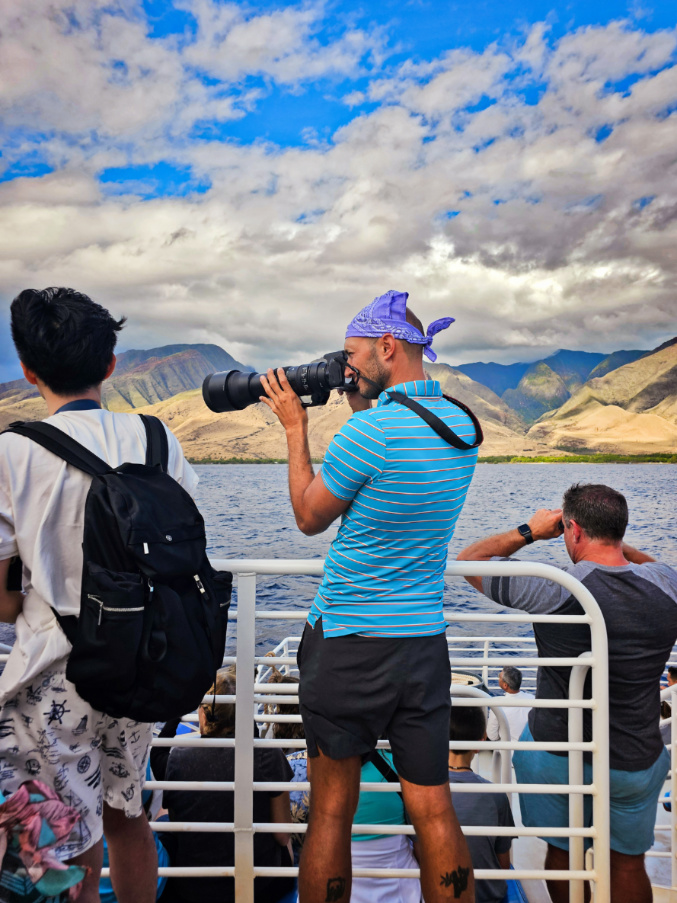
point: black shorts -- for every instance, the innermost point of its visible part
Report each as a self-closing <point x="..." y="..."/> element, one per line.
<point x="356" y="690"/>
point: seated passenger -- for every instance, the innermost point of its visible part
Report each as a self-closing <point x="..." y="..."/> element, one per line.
<point x="393" y="851"/>
<point x="479" y="809"/>
<point x="510" y="682"/>
<point x="213" y="849"/>
<point x="297" y="758"/>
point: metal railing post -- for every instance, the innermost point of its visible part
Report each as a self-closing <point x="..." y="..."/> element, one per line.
<point x="601" y="815"/>
<point x="485" y="668"/>
<point x="673" y="784"/>
<point x="576" y="775"/>
<point x="244" y="736"/>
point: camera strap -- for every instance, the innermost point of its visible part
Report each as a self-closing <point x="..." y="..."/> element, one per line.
<point x="440" y="427"/>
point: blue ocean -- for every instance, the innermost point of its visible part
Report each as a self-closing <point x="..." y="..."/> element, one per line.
<point x="248" y="515"/>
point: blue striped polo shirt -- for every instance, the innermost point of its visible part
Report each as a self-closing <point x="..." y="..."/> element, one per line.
<point x="384" y="573"/>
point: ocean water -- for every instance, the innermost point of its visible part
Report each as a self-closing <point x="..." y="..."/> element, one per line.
<point x="248" y="515"/>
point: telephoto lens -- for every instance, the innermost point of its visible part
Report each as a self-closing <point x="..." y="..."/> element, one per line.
<point x="235" y="390"/>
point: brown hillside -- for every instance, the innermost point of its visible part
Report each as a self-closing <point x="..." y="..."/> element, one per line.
<point x="632" y="410"/>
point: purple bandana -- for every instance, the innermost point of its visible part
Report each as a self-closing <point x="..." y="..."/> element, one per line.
<point x="388" y="314"/>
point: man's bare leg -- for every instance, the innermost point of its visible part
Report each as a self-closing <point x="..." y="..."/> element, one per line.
<point x="629" y="880"/>
<point x="446" y="867"/>
<point x="132" y="856"/>
<point x="325" y="870"/>
<point x="557" y="859"/>
<point x="91" y="859"/>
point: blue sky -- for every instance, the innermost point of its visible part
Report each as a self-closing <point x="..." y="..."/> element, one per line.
<point x="226" y="172"/>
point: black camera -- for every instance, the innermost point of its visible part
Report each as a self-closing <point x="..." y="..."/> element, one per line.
<point x="234" y="390"/>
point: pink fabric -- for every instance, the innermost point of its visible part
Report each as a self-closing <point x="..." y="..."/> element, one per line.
<point x="22" y="818"/>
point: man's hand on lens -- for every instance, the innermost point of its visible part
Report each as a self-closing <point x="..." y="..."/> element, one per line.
<point x="283" y="401"/>
<point x="356" y="401"/>
<point x="546" y="523"/>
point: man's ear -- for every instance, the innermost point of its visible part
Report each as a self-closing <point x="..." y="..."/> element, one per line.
<point x="576" y="530"/>
<point x="29" y="375"/>
<point x="111" y="367"/>
<point x="388" y="346"/>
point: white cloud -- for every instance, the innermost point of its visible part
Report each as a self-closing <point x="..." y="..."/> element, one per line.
<point x="549" y="248"/>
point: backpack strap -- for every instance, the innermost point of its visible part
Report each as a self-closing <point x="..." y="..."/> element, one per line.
<point x="384" y="767"/>
<point x="61" y="445"/>
<point x="439" y="425"/>
<point x="157" y="447"/>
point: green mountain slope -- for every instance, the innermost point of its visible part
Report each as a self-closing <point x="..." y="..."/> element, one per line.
<point x="540" y="390"/>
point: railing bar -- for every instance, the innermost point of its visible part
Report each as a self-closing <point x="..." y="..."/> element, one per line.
<point x="455" y="663"/>
<point x="480" y="874"/>
<point x="191" y="827"/>
<point x="373" y="787"/>
<point x="260" y="871"/>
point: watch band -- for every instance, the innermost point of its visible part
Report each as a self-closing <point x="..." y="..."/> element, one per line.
<point x="525" y="530"/>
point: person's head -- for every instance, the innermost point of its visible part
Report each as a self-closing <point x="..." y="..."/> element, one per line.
<point x="466" y="723"/>
<point x="672" y="676"/>
<point x="385" y="342"/>
<point x="219" y="720"/>
<point x="593" y="513"/>
<point x="510" y="679"/>
<point x="63" y="339"/>
<point x="288" y="730"/>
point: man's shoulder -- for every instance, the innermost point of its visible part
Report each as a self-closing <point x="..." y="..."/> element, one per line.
<point x="467" y="777"/>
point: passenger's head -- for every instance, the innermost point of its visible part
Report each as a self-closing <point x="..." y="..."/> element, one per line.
<point x="64" y="338"/>
<point x="219" y="720"/>
<point x="288" y="730"/>
<point x="672" y="675"/>
<point x="510" y="679"/>
<point x="466" y="723"/>
<point x="600" y="512"/>
<point x="386" y="340"/>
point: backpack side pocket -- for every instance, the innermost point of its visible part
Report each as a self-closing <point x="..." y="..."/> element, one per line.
<point x="110" y="626"/>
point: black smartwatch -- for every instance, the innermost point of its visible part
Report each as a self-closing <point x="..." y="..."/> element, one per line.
<point x="525" y="531"/>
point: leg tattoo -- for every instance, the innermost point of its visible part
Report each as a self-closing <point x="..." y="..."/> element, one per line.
<point x="336" y="888"/>
<point x="458" y="878"/>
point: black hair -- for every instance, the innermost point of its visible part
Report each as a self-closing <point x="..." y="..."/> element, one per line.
<point x="466" y="723"/>
<point x="63" y="337"/>
<point x="512" y="676"/>
<point x="672" y="671"/>
<point x="602" y="512"/>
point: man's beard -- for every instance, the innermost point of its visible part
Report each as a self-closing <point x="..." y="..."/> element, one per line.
<point x="378" y="374"/>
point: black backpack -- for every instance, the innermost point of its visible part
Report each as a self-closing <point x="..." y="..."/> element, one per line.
<point x="153" y="612"/>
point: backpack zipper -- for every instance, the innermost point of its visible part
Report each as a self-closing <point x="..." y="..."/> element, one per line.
<point x="103" y="607"/>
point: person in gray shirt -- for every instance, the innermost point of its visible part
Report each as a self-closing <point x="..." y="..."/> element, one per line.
<point x="479" y="809"/>
<point x="638" y="599"/>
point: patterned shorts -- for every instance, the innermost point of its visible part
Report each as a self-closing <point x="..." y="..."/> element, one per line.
<point x="50" y="733"/>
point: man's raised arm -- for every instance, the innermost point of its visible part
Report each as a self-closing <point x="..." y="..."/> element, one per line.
<point x="545" y="524"/>
<point x="315" y="507"/>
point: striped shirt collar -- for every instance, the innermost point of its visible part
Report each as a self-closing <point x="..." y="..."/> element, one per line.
<point x="419" y="388"/>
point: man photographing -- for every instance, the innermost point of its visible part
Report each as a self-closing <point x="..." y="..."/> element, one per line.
<point x="373" y="659"/>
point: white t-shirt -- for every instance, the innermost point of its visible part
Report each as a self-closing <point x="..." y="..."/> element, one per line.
<point x="516" y="717"/>
<point x="42" y="505"/>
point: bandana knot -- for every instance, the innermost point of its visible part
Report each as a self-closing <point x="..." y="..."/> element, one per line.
<point x="388" y="314"/>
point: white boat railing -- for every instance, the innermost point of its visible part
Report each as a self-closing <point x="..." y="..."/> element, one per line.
<point x="251" y="694"/>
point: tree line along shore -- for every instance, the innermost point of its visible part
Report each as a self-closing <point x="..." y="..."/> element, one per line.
<point x="659" y="458"/>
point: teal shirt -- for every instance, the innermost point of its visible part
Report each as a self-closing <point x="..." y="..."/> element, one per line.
<point x="378" y="808"/>
<point x="384" y="573"/>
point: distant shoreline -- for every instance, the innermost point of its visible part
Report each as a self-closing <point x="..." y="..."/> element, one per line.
<point x="493" y="459"/>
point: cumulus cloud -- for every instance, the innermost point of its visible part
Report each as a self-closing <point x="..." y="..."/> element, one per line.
<point x="528" y="190"/>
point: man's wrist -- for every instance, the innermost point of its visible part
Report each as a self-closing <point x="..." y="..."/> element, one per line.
<point x="526" y="533"/>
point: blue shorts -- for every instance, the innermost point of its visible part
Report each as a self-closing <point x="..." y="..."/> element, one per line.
<point x="634" y="798"/>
